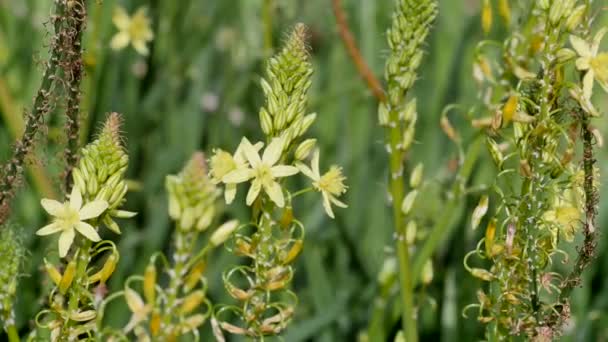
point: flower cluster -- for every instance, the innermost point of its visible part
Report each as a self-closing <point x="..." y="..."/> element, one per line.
<point x="538" y="114"/>
<point x="97" y="197"/>
<point x="274" y="238"/>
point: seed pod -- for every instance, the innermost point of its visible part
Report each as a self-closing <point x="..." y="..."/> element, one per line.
<point x="508" y="110"/>
<point x="68" y="276"/>
<point x="108" y="268"/>
<point x="83" y="316"/>
<point x="150" y="283"/>
<point x="294" y="251"/>
<point x="195" y="274"/>
<point x="490" y="235"/>
<point x="495" y="152"/>
<point x="504" y="9"/>
<point x="191" y="302"/>
<point x="155" y="322"/>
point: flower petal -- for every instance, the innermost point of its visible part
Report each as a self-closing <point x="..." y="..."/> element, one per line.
<point x="49" y="229"/>
<point x="93" y="209"/>
<point x="588" y="84"/>
<point x="120" y="41"/>
<point x="337" y="202"/>
<point x="75" y="198"/>
<point x="88" y="231"/>
<point x="273" y="151"/>
<point x="274" y="191"/>
<point x="306" y="171"/>
<point x="254" y="191"/>
<point x="283" y="171"/>
<point x="315" y="164"/>
<point x="65" y="241"/>
<point x="238" y="176"/>
<point x="250" y="153"/>
<point x="140" y="46"/>
<point x="582" y="47"/>
<point x="121" y="19"/>
<point x="230" y="192"/>
<point x="327" y="205"/>
<point x="582" y="63"/>
<point x="597" y="40"/>
<point x="53" y="207"/>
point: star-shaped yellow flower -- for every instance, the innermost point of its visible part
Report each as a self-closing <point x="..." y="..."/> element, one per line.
<point x="331" y="184"/>
<point x="596" y="64"/>
<point x="70" y="216"/>
<point x="263" y="171"/>
<point x="222" y="163"/>
<point x="135" y="30"/>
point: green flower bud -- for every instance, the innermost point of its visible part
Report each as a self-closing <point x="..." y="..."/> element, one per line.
<point x="304" y="149"/>
<point x="416" y="175"/>
<point x="266" y="121"/>
<point x="222" y="234"/>
<point x="408" y="202"/>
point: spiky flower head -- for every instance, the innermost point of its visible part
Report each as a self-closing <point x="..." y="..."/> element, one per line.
<point x="192" y="195"/>
<point x="11" y="256"/>
<point x="100" y="174"/>
<point x="288" y="78"/>
<point x="411" y="25"/>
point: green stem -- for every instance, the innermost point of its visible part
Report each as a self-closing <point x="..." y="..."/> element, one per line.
<point x="13" y="335"/>
<point x="442" y="226"/>
<point x="267" y="18"/>
<point x="397" y="188"/>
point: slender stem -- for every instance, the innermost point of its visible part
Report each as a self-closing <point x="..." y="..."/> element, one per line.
<point x="73" y="71"/>
<point x="13" y="335"/>
<point x="355" y="54"/>
<point x="267" y="13"/>
<point x="397" y="188"/>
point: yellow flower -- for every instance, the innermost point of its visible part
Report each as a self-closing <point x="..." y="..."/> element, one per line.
<point x="566" y="214"/>
<point x="70" y="216"/>
<point x="596" y="64"/>
<point x="137" y="306"/>
<point x="222" y="163"/>
<point x="331" y="184"/>
<point x="263" y="171"/>
<point x="135" y="30"/>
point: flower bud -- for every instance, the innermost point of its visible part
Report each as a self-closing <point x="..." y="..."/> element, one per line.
<point x="427" y="272"/>
<point x="195" y="274"/>
<point x="486" y="16"/>
<point x="83" y="316"/>
<point x="495" y="152"/>
<point x="479" y="212"/>
<point x="306" y="123"/>
<point x="416" y="175"/>
<point x="508" y="110"/>
<point x="408" y="138"/>
<point x="52" y="272"/>
<point x="304" y="149"/>
<point x="408" y="202"/>
<point x="482" y="274"/>
<point x="410" y="232"/>
<point x="409" y="112"/>
<point x="575" y="18"/>
<point x="383" y="114"/>
<point x="223" y="233"/>
<point x="265" y="121"/>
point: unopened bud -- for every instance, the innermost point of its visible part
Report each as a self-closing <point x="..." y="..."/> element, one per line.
<point x="427" y="272"/>
<point x="265" y="121"/>
<point x="68" y="276"/>
<point x="416" y="175"/>
<point x="408" y="202"/>
<point x="304" y="149"/>
<point x="482" y="274"/>
<point x="479" y="212"/>
<point x="223" y="232"/>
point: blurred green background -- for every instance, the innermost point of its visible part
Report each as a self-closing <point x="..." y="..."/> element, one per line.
<point x="199" y="89"/>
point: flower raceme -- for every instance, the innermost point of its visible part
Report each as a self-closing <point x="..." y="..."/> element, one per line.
<point x="133" y="30"/>
<point x="330" y="184"/>
<point x="71" y="216"/>
<point x="264" y="171"/>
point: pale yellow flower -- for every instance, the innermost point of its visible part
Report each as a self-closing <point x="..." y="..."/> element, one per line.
<point x="70" y="216"/>
<point x="596" y="64"/>
<point x="565" y="214"/>
<point x="263" y="171"/>
<point x="135" y="30"/>
<point x="331" y="184"/>
<point x="137" y="306"/>
<point x="222" y="163"/>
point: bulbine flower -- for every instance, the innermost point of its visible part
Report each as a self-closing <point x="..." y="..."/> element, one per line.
<point x="139" y="309"/>
<point x="263" y="171"/>
<point x="222" y="163"/>
<point x="596" y="64"/>
<point x="331" y="184"/>
<point x="135" y="30"/>
<point x="70" y="216"/>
